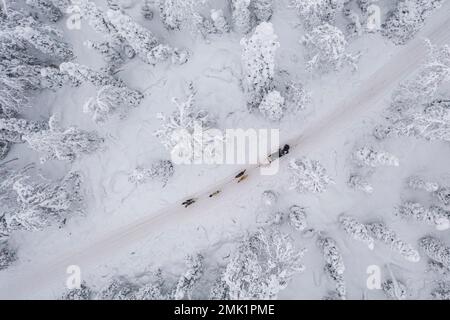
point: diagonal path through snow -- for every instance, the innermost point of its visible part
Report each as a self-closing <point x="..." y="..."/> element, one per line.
<point x="27" y="279"/>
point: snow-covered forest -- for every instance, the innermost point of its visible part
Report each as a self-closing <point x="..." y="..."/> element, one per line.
<point x="101" y="99"/>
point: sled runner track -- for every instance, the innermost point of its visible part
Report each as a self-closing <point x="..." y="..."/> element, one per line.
<point x="28" y="278"/>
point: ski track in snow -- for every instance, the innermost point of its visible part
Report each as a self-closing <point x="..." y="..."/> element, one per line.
<point x="27" y="280"/>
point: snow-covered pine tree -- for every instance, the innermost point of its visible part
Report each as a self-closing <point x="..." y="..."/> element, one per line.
<point x="177" y="14"/>
<point x="297" y="97"/>
<point x="443" y="195"/>
<point x="326" y="49"/>
<point x="242" y="16"/>
<point x="62" y="144"/>
<point x="187" y="281"/>
<point x="442" y="291"/>
<point x="434" y="216"/>
<point x="95" y="17"/>
<point x="117" y="289"/>
<point x="219" y="290"/>
<point x="12" y="129"/>
<point x="272" y="106"/>
<point x="149" y="291"/>
<point x="297" y="218"/>
<point x="394" y="290"/>
<point x="262" y="265"/>
<point x="308" y="176"/>
<point x="161" y="170"/>
<point x="83" y="293"/>
<point x="316" y="12"/>
<point x="7" y="256"/>
<point x="46" y="8"/>
<point x="383" y="233"/>
<point x="220" y="23"/>
<point x="112" y="100"/>
<point x="334" y="264"/>
<point x="79" y="73"/>
<point x="368" y="156"/>
<point x="436" y="250"/>
<point x="258" y="63"/>
<point x="358" y="182"/>
<point x="41" y="204"/>
<point x="418" y="183"/>
<point x="407" y="18"/>
<point x="146" y="10"/>
<point x="356" y="230"/>
<point x="262" y="9"/>
<point x="110" y="54"/>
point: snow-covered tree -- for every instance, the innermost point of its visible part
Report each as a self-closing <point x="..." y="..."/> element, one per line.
<point x="149" y="291"/>
<point x="95" y="17"/>
<point x="308" y="176"/>
<point x="7" y="256"/>
<point x="46" y="8"/>
<point x="220" y="23"/>
<point x="368" y="156"/>
<point x="194" y="264"/>
<point x="242" y="16"/>
<point x="394" y="290"/>
<point x="111" y="100"/>
<point x="219" y="290"/>
<point x="317" y="12"/>
<point x="146" y="10"/>
<point x="356" y="230"/>
<point x="83" y="293"/>
<point x="358" y="182"/>
<point x="13" y="129"/>
<point x="41" y="204"/>
<point x="434" y="216"/>
<point x="258" y="63"/>
<point x="436" y="250"/>
<point x="326" y="49"/>
<point x="111" y="55"/>
<point x="272" y="106"/>
<point x="334" y="264"/>
<point x="262" y="265"/>
<point x="389" y="237"/>
<point x="418" y="183"/>
<point x="262" y="9"/>
<point x="177" y="14"/>
<point x="161" y="170"/>
<point x="443" y="195"/>
<point x="62" y="144"/>
<point x="442" y="291"/>
<point x="80" y="73"/>
<point x="118" y="289"/>
<point x="297" y="97"/>
<point x="297" y="218"/>
<point x="407" y="18"/>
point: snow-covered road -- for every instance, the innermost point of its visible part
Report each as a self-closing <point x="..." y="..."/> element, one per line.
<point x="28" y="279"/>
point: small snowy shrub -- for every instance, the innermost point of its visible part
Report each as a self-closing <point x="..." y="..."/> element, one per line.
<point x="308" y="176"/>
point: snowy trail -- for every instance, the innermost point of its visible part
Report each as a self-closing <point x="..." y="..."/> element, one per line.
<point x="27" y="280"/>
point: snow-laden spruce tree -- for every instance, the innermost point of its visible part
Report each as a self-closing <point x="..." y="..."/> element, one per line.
<point x="46" y="8"/>
<point x="62" y="144"/>
<point x="326" y="49"/>
<point x="435" y="216"/>
<point x="262" y="266"/>
<point x="356" y="230"/>
<point x="149" y="291"/>
<point x="297" y="218"/>
<point x="432" y="123"/>
<point x="191" y="276"/>
<point x="308" y="176"/>
<point x="13" y="129"/>
<point x="258" y="63"/>
<point x="110" y="54"/>
<point x="394" y="290"/>
<point x="358" y="182"/>
<point x="389" y="237"/>
<point x="369" y="157"/>
<point x="418" y="183"/>
<point x="407" y="18"/>
<point x="316" y="12"/>
<point x="436" y="250"/>
<point x="296" y="96"/>
<point x="7" y="255"/>
<point x="117" y="289"/>
<point x="177" y="14"/>
<point x="219" y="22"/>
<point x="272" y="106"/>
<point x="441" y="291"/>
<point x="83" y="293"/>
<point x="415" y="93"/>
<point x="95" y="17"/>
<point x="41" y="204"/>
<point x="334" y="264"/>
<point x="262" y="9"/>
<point x="79" y="73"/>
<point x="112" y="100"/>
<point x="146" y="10"/>
<point x="443" y="195"/>
<point x="242" y="16"/>
<point x="160" y="170"/>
